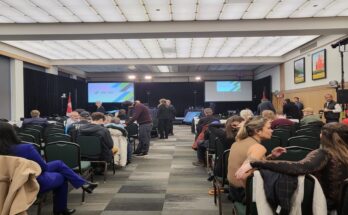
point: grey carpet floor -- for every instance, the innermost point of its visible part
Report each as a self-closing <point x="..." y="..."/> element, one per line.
<point x="163" y="182"/>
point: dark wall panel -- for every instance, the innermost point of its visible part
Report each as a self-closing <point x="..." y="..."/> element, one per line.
<point x="5" y="88"/>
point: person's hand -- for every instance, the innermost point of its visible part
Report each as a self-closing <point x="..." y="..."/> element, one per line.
<point x="277" y="151"/>
<point x="242" y="172"/>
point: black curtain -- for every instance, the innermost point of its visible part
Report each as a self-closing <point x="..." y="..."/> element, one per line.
<point x="260" y="87"/>
<point x="43" y="91"/>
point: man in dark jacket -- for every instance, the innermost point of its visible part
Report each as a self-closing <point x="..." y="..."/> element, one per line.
<point x="172" y="116"/>
<point x="74" y="129"/>
<point x="290" y="110"/>
<point x="100" y="107"/>
<point x="265" y="105"/>
<point x="141" y="114"/>
<point x="207" y="119"/>
<point x="96" y="128"/>
<point x="35" y="119"/>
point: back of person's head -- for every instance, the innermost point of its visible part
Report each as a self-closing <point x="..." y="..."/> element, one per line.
<point x="35" y="113"/>
<point x="122" y="112"/>
<point x="208" y="111"/>
<point x="116" y="120"/>
<point x="97" y="116"/>
<point x="74" y="115"/>
<point x="287" y="101"/>
<point x="308" y="111"/>
<point x="84" y="115"/>
<point x="334" y="139"/>
<point x="246" y="114"/>
<point x="8" y="138"/>
<point x="232" y="125"/>
<point x="268" y="114"/>
<point x="108" y="119"/>
<point x="251" y="127"/>
<point x="163" y="101"/>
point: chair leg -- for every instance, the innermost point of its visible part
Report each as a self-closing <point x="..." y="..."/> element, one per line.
<point x="83" y="197"/>
<point x="105" y="170"/>
<point x="219" y="195"/>
<point x="215" y="191"/>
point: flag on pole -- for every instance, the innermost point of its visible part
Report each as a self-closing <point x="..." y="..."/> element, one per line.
<point x="69" y="106"/>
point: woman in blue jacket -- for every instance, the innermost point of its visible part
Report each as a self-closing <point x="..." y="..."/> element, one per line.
<point x="55" y="175"/>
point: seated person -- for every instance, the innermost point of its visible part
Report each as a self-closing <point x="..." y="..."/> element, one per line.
<point x="329" y="163"/>
<point x="74" y="129"/>
<point x="276" y="120"/>
<point x="96" y="128"/>
<point x="248" y="148"/>
<point x="309" y="117"/>
<point x="207" y="119"/>
<point x="122" y="114"/>
<point x="35" y="119"/>
<point x="55" y="175"/>
<point x="246" y="114"/>
<point x="114" y="122"/>
<point x="73" y="118"/>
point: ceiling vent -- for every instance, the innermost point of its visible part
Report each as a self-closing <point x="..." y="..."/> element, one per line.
<point x="308" y="47"/>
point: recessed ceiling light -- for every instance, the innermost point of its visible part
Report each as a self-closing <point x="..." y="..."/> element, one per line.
<point x="198" y="78"/>
<point x="163" y="68"/>
<point x="148" y="77"/>
<point x="131" y="77"/>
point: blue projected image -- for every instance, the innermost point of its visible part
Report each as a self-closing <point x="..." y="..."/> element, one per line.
<point x="110" y="92"/>
<point x="190" y="115"/>
<point x="228" y="86"/>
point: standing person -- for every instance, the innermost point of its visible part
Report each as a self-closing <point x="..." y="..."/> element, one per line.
<point x="163" y="115"/>
<point x="172" y="116"/>
<point x="332" y="109"/>
<point x="55" y="175"/>
<point x="265" y="105"/>
<point x="100" y="107"/>
<point x="290" y="110"/>
<point x="141" y="114"/>
<point x="299" y="105"/>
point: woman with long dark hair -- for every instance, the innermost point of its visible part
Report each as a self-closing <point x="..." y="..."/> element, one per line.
<point x="55" y="175"/>
<point x="329" y="163"/>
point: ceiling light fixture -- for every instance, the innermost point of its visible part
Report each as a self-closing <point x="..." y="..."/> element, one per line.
<point x="148" y="77"/>
<point x="198" y="78"/>
<point x="131" y="77"/>
<point x="163" y="68"/>
<point x="131" y="67"/>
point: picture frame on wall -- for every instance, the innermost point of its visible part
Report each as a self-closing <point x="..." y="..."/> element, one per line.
<point x="299" y="71"/>
<point x="319" y="65"/>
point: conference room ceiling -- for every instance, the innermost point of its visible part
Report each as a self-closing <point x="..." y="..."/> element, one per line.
<point x="68" y="11"/>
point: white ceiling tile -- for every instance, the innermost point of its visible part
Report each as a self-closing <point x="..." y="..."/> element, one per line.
<point x="285" y="8"/>
<point x="133" y="10"/>
<point x="153" y="48"/>
<point x="107" y="48"/>
<point x="259" y="9"/>
<point x="343" y="13"/>
<point x="209" y="9"/>
<point x="90" y="46"/>
<point x="235" y="10"/>
<point x="57" y="10"/>
<point x="183" y="47"/>
<point x="333" y="9"/>
<point x="261" y="45"/>
<point x="300" y="40"/>
<point x="159" y="10"/>
<point x="137" y="46"/>
<point x="73" y="47"/>
<point x="214" y="46"/>
<point x="276" y="45"/>
<point x="183" y="9"/>
<point x="310" y="8"/>
<point x="14" y="14"/>
<point x="82" y="10"/>
<point x="52" y="45"/>
<point x="123" y="48"/>
<point x="107" y="10"/>
<point x="247" y="44"/>
<point x="229" y="46"/>
<point x="198" y="47"/>
<point x="168" y="47"/>
<point x="4" y="19"/>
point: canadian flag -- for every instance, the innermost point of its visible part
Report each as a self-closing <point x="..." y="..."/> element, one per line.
<point x="69" y="106"/>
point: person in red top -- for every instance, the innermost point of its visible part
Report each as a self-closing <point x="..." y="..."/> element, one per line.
<point x="277" y="120"/>
<point x="141" y="114"/>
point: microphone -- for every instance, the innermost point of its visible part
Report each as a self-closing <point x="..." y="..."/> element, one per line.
<point x="340" y="43"/>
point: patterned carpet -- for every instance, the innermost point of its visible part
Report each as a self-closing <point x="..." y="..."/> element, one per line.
<point x="163" y="182"/>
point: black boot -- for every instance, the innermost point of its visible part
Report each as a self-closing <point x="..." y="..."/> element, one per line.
<point x="65" y="212"/>
<point x="89" y="187"/>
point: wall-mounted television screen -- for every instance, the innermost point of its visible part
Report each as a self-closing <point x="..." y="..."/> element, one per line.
<point x="116" y="92"/>
<point x="227" y="91"/>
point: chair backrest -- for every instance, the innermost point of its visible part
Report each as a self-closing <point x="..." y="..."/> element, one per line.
<point x="304" y="141"/>
<point x="271" y="143"/>
<point x="26" y="137"/>
<point x="58" y="137"/>
<point x="34" y="132"/>
<point x="283" y="134"/>
<point x="313" y="132"/>
<point x="133" y="130"/>
<point x="90" y="146"/>
<point x="294" y="153"/>
<point x="67" y="152"/>
<point x="343" y="208"/>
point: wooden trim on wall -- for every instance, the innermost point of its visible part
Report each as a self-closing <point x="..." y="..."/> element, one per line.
<point x="28" y="60"/>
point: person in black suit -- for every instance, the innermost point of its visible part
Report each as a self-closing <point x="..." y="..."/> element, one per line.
<point x="172" y="116"/>
<point x="35" y="119"/>
<point x="100" y="107"/>
<point x="163" y="115"/>
<point x="290" y="110"/>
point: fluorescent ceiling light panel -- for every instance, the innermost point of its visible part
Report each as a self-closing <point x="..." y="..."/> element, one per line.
<point x="310" y="8"/>
<point x="247" y="44"/>
<point x="168" y="47"/>
<point x="293" y="44"/>
<point x="13" y="14"/>
<point x="91" y="47"/>
<point x="183" y="9"/>
<point x="259" y="9"/>
<point x="153" y="47"/>
<point x="72" y="47"/>
<point x="285" y="8"/>
<point x="148" y="77"/>
<point x="138" y="48"/>
<point x="82" y="10"/>
<point x="133" y="10"/>
<point x="57" y="10"/>
<point x="235" y="10"/>
<point x="107" y="48"/>
<point x="4" y="19"/>
<point x="261" y="45"/>
<point x="213" y="47"/>
<point x="183" y="47"/>
<point x="163" y="68"/>
<point x="229" y="46"/>
<point x="198" y="78"/>
<point x="132" y="77"/>
<point x="108" y="10"/>
<point x="198" y="47"/>
<point x="277" y="45"/>
<point x="209" y="9"/>
<point x="333" y="9"/>
<point x="159" y="10"/>
<point x="123" y="48"/>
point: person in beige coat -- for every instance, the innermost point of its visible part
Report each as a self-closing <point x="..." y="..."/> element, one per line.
<point x="18" y="184"/>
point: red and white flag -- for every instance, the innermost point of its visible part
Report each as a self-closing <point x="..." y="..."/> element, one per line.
<point x="69" y="106"/>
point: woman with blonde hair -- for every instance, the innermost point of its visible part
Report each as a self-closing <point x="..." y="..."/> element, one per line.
<point x="246" y="114"/>
<point x="329" y="163"/>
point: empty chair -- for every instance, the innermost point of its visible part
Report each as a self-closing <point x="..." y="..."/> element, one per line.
<point x="35" y="133"/>
<point x="58" y="137"/>
<point x="304" y="141"/>
<point x="294" y="153"/>
<point x="283" y="134"/>
<point x="313" y="132"/>
<point x="26" y="137"/>
<point x="133" y="133"/>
